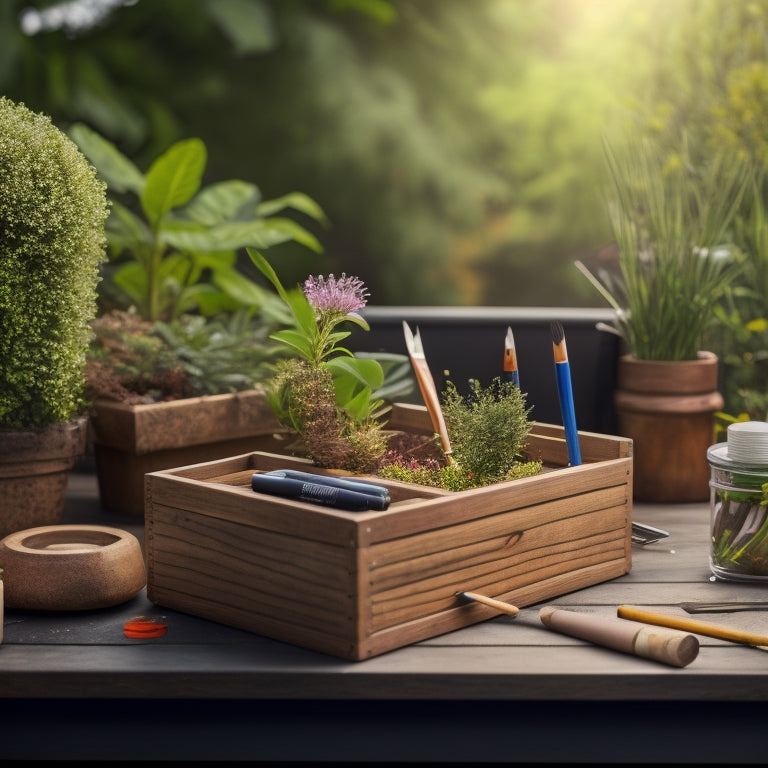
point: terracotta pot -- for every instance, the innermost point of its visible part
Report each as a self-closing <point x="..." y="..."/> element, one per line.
<point x="34" y="470"/>
<point x="667" y="409"/>
<point x="131" y="440"/>
<point x="71" y="567"/>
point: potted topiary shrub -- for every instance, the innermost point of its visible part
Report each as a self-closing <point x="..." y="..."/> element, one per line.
<point x="673" y="222"/>
<point x="53" y="210"/>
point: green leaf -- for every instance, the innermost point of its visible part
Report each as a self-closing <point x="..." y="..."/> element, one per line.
<point x="295" y="340"/>
<point x="246" y="293"/>
<point x="127" y="230"/>
<point x="331" y="343"/>
<point x="266" y="269"/>
<point x="366" y="371"/>
<point x="359" y="320"/>
<point x="174" y="178"/>
<point x="131" y="278"/>
<point x="224" y="201"/>
<point x="113" y="166"/>
<point x="358" y="407"/>
<point x="277" y="230"/>
<point x="227" y="236"/>
<point x="300" y="308"/>
<point x="296" y="200"/>
<point x="302" y="312"/>
<point x="247" y="23"/>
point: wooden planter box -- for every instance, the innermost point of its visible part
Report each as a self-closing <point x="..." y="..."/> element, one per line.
<point x="358" y="584"/>
<point x="131" y="440"/>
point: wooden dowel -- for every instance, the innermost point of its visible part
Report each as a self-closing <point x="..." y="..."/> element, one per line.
<point x="489" y="601"/>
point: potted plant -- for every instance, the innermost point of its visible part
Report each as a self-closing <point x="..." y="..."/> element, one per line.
<point x="675" y="261"/>
<point x="181" y="300"/>
<point x="53" y="210"/>
<point x="328" y="398"/>
<point x="394" y="546"/>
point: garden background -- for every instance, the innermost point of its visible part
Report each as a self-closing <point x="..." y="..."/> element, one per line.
<point x="455" y="145"/>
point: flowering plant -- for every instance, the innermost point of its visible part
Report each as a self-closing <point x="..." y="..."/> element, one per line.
<point x="324" y="392"/>
<point x="327" y="396"/>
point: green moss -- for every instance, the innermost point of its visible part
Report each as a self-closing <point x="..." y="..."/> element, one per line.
<point x="488" y="439"/>
<point x="52" y="215"/>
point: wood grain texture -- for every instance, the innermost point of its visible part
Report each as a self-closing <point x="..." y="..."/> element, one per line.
<point x="498" y="659"/>
<point x="358" y="584"/>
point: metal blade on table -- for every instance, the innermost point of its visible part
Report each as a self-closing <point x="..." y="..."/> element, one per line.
<point x="726" y="607"/>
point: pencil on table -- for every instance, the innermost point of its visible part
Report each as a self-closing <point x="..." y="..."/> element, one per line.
<point x="691" y="625"/>
<point x="565" y="392"/>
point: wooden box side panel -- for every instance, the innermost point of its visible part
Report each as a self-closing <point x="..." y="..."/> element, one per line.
<point x="464" y="615"/>
<point x="281" y="586"/>
<point x="524" y="556"/>
<point x="429" y="515"/>
<point x="358" y="584"/>
<point x="239" y="504"/>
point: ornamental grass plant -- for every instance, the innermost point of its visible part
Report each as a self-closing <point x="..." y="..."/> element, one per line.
<point x="672" y="220"/>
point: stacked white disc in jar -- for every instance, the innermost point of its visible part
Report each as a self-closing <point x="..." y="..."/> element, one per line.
<point x="748" y="442"/>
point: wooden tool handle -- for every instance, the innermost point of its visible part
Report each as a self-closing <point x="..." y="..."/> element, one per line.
<point x="668" y="646"/>
<point x="498" y="604"/>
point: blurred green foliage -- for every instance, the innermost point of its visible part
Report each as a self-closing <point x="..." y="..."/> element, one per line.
<point x="455" y="146"/>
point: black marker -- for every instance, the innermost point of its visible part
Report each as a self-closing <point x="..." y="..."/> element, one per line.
<point x="337" y="482"/>
<point x="315" y="493"/>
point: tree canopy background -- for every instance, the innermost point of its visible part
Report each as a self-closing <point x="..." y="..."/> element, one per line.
<point x="455" y="145"/>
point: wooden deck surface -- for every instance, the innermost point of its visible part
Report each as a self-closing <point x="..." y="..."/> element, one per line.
<point x="207" y="691"/>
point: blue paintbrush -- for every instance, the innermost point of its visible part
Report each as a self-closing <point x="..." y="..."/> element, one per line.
<point x="565" y="390"/>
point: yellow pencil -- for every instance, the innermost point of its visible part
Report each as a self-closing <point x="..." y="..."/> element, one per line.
<point x="691" y="625"/>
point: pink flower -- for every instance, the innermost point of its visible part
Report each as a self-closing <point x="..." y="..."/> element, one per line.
<point x="331" y="296"/>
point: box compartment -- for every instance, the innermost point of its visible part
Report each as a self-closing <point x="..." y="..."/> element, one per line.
<point x="358" y="584"/>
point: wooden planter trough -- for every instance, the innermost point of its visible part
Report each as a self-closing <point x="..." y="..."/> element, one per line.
<point x="131" y="440"/>
<point x="358" y="584"/>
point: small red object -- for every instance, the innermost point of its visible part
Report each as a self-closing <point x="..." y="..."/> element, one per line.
<point x="143" y="627"/>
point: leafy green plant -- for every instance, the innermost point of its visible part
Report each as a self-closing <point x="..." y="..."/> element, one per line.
<point x="173" y="242"/>
<point x="132" y="360"/>
<point x="53" y="210"/>
<point x="324" y="392"/>
<point x="488" y="436"/>
<point x="740" y="335"/>
<point x="672" y="221"/>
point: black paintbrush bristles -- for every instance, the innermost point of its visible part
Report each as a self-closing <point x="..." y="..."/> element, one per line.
<point x="558" y="334"/>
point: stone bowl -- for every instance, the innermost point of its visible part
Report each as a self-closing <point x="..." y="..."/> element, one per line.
<point x="71" y="567"/>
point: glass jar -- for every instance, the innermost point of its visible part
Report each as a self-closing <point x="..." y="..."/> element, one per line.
<point x="738" y="515"/>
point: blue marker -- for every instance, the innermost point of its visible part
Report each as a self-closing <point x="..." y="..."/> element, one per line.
<point x="338" y="482"/>
<point x="315" y="493"/>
